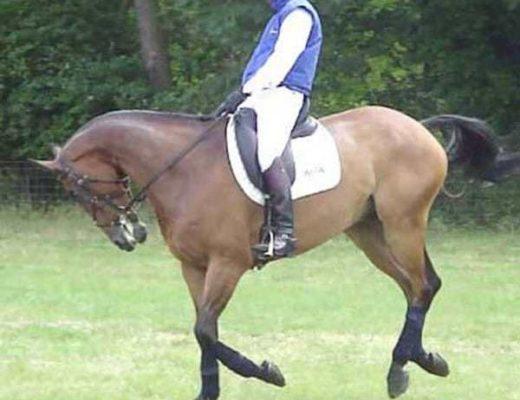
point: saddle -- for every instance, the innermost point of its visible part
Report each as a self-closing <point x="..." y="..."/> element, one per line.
<point x="246" y="128"/>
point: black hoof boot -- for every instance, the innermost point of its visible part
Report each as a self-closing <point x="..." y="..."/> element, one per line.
<point x="200" y="397"/>
<point x="397" y="380"/>
<point x="272" y="374"/>
<point x="434" y="364"/>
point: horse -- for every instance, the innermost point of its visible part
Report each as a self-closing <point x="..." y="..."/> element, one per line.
<point x="392" y="170"/>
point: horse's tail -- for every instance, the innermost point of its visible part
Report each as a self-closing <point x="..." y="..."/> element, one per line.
<point x="470" y="142"/>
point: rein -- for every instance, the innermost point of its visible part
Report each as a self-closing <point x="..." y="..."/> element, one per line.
<point x="141" y="195"/>
<point x="82" y="191"/>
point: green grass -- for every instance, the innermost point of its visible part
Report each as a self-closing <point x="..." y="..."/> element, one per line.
<point x="81" y="320"/>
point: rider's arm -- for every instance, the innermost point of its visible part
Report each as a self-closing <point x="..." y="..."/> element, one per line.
<point x="294" y="34"/>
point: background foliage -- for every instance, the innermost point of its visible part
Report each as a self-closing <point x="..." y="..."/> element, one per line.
<point x="65" y="62"/>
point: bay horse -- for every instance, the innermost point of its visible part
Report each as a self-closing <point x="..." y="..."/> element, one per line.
<point x="392" y="170"/>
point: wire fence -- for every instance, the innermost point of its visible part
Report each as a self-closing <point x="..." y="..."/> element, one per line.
<point x="23" y="183"/>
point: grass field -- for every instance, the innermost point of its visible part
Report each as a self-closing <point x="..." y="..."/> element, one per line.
<point x="81" y="320"/>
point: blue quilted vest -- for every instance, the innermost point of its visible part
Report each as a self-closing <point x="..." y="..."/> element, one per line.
<point x="301" y="76"/>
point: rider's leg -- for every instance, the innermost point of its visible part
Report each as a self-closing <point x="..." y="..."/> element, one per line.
<point x="278" y="186"/>
<point x="277" y="111"/>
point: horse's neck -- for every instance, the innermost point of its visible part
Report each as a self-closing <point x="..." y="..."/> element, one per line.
<point x="137" y="147"/>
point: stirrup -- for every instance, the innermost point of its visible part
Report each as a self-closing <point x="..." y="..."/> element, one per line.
<point x="265" y="251"/>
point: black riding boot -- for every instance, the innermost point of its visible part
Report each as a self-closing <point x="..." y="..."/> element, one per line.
<point x="278" y="186"/>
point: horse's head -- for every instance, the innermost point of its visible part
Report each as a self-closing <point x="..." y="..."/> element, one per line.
<point x="103" y="191"/>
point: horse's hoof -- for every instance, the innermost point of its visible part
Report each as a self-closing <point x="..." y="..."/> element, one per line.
<point x="397" y="381"/>
<point x="272" y="374"/>
<point x="435" y="364"/>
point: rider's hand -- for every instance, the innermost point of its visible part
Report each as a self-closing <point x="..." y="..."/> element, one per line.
<point x="230" y="105"/>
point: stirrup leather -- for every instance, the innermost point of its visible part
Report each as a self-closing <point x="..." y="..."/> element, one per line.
<point x="263" y="252"/>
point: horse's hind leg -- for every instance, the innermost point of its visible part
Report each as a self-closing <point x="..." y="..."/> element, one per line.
<point x="398" y="250"/>
<point x="368" y="236"/>
<point x="432" y="362"/>
<point x="406" y="241"/>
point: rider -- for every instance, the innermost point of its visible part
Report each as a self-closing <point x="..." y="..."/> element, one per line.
<point x="276" y="81"/>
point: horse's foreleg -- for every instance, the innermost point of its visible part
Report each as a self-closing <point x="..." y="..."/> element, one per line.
<point x="220" y="283"/>
<point x="209" y="370"/>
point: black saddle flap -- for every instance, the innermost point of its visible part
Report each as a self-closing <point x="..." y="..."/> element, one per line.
<point x="304" y="126"/>
<point x="245" y="127"/>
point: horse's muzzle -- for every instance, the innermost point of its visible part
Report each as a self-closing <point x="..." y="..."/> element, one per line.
<point x="122" y="235"/>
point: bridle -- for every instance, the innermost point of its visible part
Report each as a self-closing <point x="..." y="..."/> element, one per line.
<point x="82" y="191"/>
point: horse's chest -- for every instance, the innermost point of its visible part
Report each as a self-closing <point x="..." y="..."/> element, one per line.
<point x="186" y="242"/>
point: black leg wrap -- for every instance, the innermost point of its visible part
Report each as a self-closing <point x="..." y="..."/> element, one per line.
<point x="210" y="376"/>
<point x="236" y="362"/>
<point x="206" y="332"/>
<point x="409" y="346"/>
<point x="243" y="366"/>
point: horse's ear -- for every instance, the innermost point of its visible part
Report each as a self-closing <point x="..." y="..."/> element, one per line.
<point x="55" y="150"/>
<point x="51" y="165"/>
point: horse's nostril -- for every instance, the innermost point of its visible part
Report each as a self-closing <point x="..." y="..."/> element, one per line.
<point x="125" y="245"/>
<point x="128" y="248"/>
<point x="140" y="232"/>
<point x="122" y="236"/>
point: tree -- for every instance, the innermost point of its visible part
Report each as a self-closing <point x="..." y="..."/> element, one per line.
<point x="153" y="51"/>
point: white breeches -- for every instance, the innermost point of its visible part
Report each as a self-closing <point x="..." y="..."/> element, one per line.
<point x="277" y="110"/>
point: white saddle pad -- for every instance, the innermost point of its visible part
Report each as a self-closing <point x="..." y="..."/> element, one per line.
<point x="316" y="161"/>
